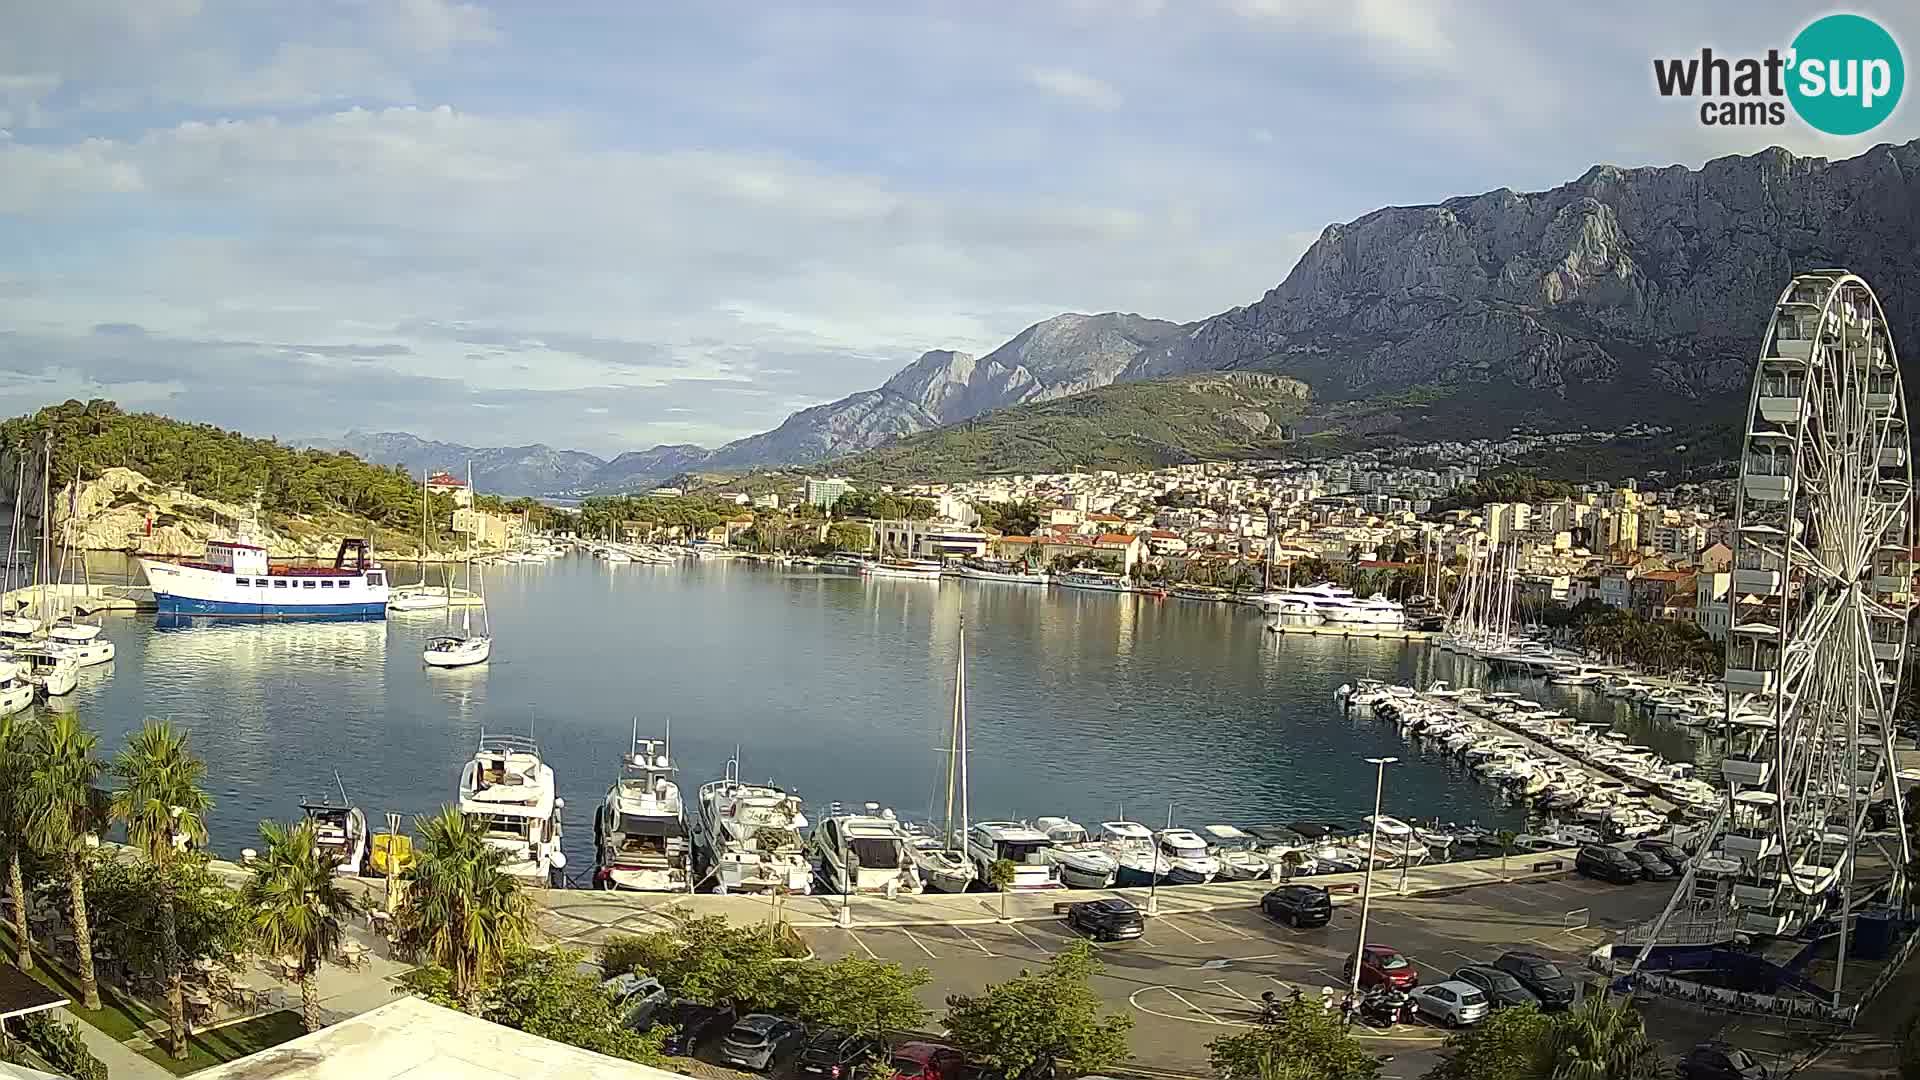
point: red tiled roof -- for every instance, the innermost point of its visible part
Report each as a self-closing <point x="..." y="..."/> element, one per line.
<point x="1122" y="539"/>
<point x="1164" y="534"/>
<point x="1105" y="517"/>
<point x="443" y="480"/>
<point x="1018" y="540"/>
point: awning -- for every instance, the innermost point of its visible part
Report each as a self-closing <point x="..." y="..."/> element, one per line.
<point x="23" y="995"/>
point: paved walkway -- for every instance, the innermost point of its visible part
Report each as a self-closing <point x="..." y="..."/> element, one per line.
<point x="122" y="1062"/>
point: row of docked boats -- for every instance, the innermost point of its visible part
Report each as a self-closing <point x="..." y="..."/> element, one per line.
<point x="1582" y="773"/>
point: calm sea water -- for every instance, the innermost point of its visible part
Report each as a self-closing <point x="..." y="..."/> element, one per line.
<point x="1083" y="704"/>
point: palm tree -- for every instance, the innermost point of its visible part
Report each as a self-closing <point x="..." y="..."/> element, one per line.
<point x="63" y="811"/>
<point x="161" y="802"/>
<point x="1603" y="1039"/>
<point x="298" y="908"/>
<point x="462" y="909"/>
<point x="1293" y="859"/>
<point x="1505" y="839"/>
<point x="1000" y="877"/>
<point x="15" y="761"/>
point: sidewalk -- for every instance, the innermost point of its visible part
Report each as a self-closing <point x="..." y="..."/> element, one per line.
<point x="122" y="1062"/>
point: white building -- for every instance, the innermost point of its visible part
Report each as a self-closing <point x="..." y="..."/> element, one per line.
<point x="1710" y="604"/>
<point x="824" y="493"/>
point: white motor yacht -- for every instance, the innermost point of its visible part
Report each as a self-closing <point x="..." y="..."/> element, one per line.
<point x="1184" y="859"/>
<point x="51" y="672"/>
<point x="1130" y="845"/>
<point x="751" y="836"/>
<point x="867" y="853"/>
<point x="1094" y="580"/>
<point x="641" y="830"/>
<point x="1237" y="855"/>
<point x="16" y="693"/>
<point x="340" y="832"/>
<point x="510" y="791"/>
<point x="1083" y="864"/>
<point x="1018" y="843"/>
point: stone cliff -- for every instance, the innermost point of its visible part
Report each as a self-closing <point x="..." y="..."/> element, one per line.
<point x="1652" y="284"/>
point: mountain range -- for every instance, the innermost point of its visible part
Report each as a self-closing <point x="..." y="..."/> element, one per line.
<point x="1626" y="294"/>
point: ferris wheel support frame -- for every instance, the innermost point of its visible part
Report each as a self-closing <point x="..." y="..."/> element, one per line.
<point x="1807" y="707"/>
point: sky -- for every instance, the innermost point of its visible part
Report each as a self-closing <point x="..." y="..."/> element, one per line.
<point x="608" y="225"/>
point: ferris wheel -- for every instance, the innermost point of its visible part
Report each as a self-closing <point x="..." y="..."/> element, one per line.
<point x="1820" y="594"/>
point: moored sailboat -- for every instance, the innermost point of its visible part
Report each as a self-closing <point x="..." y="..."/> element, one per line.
<point x="466" y="648"/>
<point x="943" y="862"/>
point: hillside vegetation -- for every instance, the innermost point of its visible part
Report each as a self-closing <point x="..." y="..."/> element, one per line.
<point x="91" y="437"/>
<point x="1140" y="425"/>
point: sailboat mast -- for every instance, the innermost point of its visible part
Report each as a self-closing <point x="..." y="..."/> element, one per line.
<point x="953" y="734"/>
<point x="466" y="611"/>
<point x="46" y="519"/>
<point x="960" y="751"/>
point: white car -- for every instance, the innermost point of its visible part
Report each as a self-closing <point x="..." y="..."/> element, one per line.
<point x="1453" y="1003"/>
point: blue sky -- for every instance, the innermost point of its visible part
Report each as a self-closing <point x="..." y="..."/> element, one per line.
<point x="609" y="225"/>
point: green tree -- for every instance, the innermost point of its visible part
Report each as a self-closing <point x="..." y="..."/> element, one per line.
<point x="1503" y="1047"/>
<point x="858" y="995"/>
<point x="64" y="810"/>
<point x="1603" y="1039"/>
<point x="298" y="908"/>
<point x="1304" y="1038"/>
<point x="59" y="1045"/>
<point x="1505" y="839"/>
<point x="1053" y="1015"/>
<point x="462" y="910"/>
<point x="1000" y="877"/>
<point x="706" y="959"/>
<point x="125" y="898"/>
<point x="160" y="800"/>
<point x="544" y="992"/>
<point x="16" y="759"/>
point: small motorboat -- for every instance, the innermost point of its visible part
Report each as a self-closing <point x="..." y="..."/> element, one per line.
<point x="1083" y="864"/>
<point x="51" y="673"/>
<point x="452" y="651"/>
<point x="1237" y="854"/>
<point x="340" y="832"/>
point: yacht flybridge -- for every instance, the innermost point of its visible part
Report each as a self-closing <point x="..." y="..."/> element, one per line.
<point x="641" y="831"/>
<point x="510" y="792"/>
<point x="751" y="836"/>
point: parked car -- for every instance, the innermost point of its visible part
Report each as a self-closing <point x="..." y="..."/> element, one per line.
<point x="636" y="998"/>
<point x="1719" y="1061"/>
<point x="927" y="1061"/>
<point x="1107" y="920"/>
<point x="1453" y="1003"/>
<point x="1384" y="966"/>
<point x="834" y="1054"/>
<point x="1539" y="975"/>
<point x="1652" y="866"/>
<point x="1673" y="854"/>
<point x="1607" y="864"/>
<point x="759" y="1040"/>
<point x="1298" y="905"/>
<point x="694" y="1024"/>
<point x="1502" y="989"/>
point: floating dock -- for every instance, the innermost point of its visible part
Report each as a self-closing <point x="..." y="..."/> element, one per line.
<point x="1394" y="633"/>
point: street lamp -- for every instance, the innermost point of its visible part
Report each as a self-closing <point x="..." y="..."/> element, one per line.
<point x="1366" y="887"/>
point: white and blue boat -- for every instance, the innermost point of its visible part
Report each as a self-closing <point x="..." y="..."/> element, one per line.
<point x="237" y="580"/>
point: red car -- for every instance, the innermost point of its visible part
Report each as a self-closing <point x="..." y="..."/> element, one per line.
<point x="1381" y="965"/>
<point x="926" y="1061"/>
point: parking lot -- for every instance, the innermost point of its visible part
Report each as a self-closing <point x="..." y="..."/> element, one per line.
<point x="1197" y="975"/>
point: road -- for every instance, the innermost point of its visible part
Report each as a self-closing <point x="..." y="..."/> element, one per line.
<point x="1199" y="975"/>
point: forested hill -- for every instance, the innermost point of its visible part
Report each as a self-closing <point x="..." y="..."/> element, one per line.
<point x="89" y="437"/>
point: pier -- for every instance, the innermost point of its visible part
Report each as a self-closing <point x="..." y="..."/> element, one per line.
<point x="87" y="598"/>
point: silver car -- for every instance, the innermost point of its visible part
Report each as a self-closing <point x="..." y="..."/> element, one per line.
<point x="1453" y="1003"/>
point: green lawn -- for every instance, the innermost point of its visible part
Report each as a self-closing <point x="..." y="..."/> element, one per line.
<point x="122" y="1021"/>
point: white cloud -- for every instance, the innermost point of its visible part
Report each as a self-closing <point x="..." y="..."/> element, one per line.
<point x="435" y="26"/>
<point x="1075" y="86"/>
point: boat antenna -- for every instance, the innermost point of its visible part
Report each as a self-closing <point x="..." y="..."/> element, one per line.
<point x="343" y="788"/>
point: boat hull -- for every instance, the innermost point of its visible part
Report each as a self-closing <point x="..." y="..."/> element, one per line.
<point x="184" y="605"/>
<point x="1078" y="877"/>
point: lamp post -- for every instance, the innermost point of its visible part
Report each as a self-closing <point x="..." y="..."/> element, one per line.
<point x="1366" y="887"/>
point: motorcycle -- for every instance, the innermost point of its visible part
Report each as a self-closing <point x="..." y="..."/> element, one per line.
<point x="1383" y="1007"/>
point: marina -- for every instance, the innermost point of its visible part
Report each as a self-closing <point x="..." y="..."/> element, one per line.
<point x="1236" y="713"/>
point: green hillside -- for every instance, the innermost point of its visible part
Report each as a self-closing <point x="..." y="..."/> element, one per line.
<point x="1128" y="426"/>
<point x="214" y="463"/>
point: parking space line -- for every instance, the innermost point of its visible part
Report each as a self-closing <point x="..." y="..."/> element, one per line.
<point x="975" y="941"/>
<point x="1196" y="939"/>
<point x="1231" y="990"/>
<point x="863" y="945"/>
<point x="1023" y="936"/>
<point x="1181" y="998"/>
<point x="1236" y="931"/>
<point x="1462" y="956"/>
<point x="916" y="941"/>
